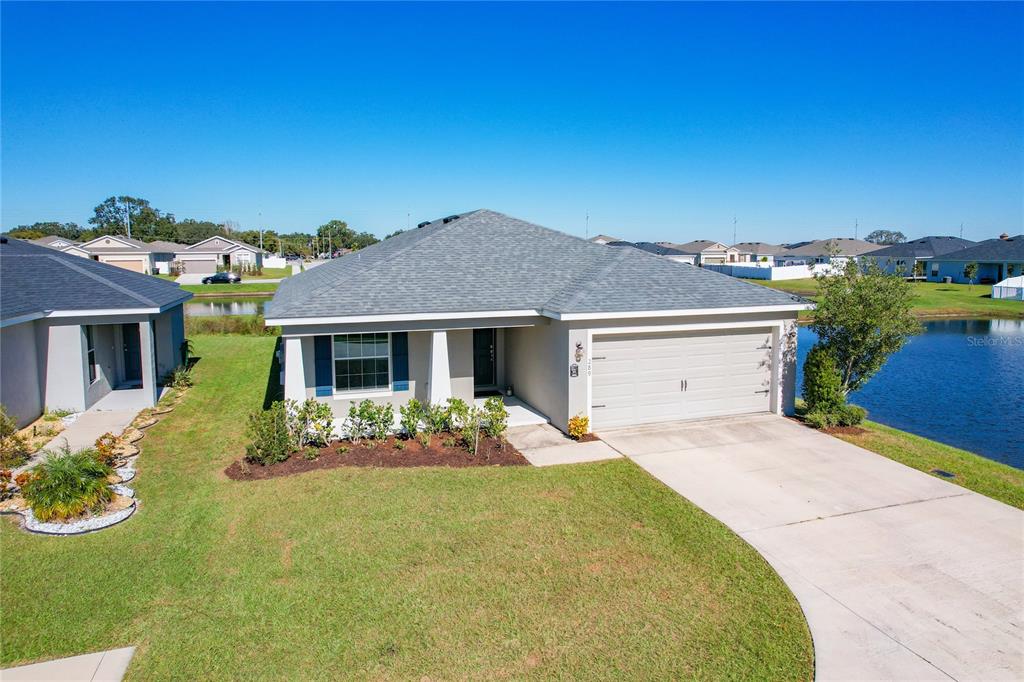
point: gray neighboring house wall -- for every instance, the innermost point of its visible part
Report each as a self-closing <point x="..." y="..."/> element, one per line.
<point x="217" y="252"/>
<point x="73" y="329"/>
<point x="835" y="251"/>
<point x="997" y="259"/>
<point x="482" y="302"/>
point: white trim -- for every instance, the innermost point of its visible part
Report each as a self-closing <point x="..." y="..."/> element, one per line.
<point x="701" y="327"/>
<point x="20" y="319"/>
<point x="408" y="317"/>
<point x="360" y="393"/>
<point x="115" y="237"/>
<point x="694" y="312"/>
<point x="413" y="317"/>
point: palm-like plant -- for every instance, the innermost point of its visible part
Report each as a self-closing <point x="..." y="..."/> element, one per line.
<point x="67" y="485"/>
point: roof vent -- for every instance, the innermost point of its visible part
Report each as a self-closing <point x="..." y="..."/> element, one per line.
<point x="1003" y="236"/>
<point x="423" y="224"/>
<point x="3" y="240"/>
<point x="450" y="218"/>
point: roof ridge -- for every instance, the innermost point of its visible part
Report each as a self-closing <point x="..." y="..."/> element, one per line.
<point x="370" y="268"/>
<point x="591" y="280"/>
<point x="102" y="280"/>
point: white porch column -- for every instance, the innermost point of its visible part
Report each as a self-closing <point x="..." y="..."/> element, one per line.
<point x="147" y="344"/>
<point x="439" y="382"/>
<point x="294" y="373"/>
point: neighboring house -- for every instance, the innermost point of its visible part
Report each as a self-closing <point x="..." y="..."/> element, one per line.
<point x="834" y="251"/>
<point x="760" y="252"/>
<point x="707" y="252"/>
<point x="604" y="239"/>
<point x="660" y="250"/>
<point x="61" y="244"/>
<point x="997" y="259"/>
<point x="124" y="252"/>
<point x="218" y="252"/>
<point x="73" y="329"/>
<point x="915" y="258"/>
<point x="486" y="302"/>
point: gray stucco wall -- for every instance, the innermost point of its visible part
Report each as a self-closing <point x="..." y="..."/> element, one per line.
<point x="170" y="332"/>
<point x="105" y="341"/>
<point x="19" y="376"/>
<point x="535" y="365"/>
<point x="65" y="367"/>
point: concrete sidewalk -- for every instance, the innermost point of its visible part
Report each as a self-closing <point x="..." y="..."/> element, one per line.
<point x="104" y="666"/>
<point x="900" y="575"/>
<point x="544" y="445"/>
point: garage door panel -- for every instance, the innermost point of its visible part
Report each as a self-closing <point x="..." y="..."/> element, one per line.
<point x="636" y="378"/>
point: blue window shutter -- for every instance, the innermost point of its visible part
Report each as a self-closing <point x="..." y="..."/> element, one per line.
<point x="322" y="360"/>
<point x="400" y="361"/>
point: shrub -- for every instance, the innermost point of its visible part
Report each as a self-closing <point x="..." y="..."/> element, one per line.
<point x="58" y="413"/>
<point x="819" y="420"/>
<point x="456" y="415"/>
<point x="13" y="446"/>
<point x="424" y="438"/>
<point x="850" y="415"/>
<point x="272" y="440"/>
<point x="360" y="416"/>
<point x="469" y="428"/>
<point x="435" y="418"/>
<point x="412" y="415"/>
<point x="448" y="442"/>
<point x="579" y="426"/>
<point x="823" y="384"/>
<point x="106" y="446"/>
<point x="67" y="485"/>
<point x="310" y="453"/>
<point x="495" y="417"/>
<point x="310" y="422"/>
<point x="381" y="420"/>
<point x="180" y="378"/>
<point x="399" y="445"/>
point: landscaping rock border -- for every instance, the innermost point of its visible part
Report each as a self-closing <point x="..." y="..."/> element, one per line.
<point x="88" y="525"/>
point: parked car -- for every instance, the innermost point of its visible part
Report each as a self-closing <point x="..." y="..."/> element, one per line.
<point x="223" y="278"/>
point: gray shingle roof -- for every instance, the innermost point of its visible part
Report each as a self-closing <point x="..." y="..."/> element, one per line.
<point x="487" y="261"/>
<point x="762" y="248"/>
<point x="925" y="247"/>
<point x="991" y="250"/>
<point x="34" y="279"/>
<point x="841" y="246"/>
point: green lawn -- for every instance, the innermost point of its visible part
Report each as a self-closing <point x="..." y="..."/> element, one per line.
<point x="240" y="288"/>
<point x="584" y="571"/>
<point x="271" y="273"/>
<point x="998" y="481"/>
<point x="933" y="298"/>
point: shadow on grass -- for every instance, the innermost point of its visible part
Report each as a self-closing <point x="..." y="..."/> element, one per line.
<point x="274" y="391"/>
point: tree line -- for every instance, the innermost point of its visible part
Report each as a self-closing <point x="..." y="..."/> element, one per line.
<point x="115" y="214"/>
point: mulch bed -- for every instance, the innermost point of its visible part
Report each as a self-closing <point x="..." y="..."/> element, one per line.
<point x="369" y="454"/>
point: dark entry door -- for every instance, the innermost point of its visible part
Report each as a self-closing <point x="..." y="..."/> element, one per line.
<point x="132" y="353"/>
<point x="484" y="353"/>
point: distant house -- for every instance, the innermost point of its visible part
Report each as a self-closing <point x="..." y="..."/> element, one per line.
<point x="707" y="252"/>
<point x="604" y="239"/>
<point x="218" y="252"/>
<point x="74" y="329"/>
<point x="61" y="244"/>
<point x="917" y="257"/>
<point x="997" y="259"/>
<point x="659" y="250"/>
<point x="833" y="251"/>
<point x="760" y="252"/>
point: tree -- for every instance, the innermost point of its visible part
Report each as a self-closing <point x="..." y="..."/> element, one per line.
<point x="37" y="230"/>
<point x="863" y="317"/>
<point x="970" y="272"/>
<point x="116" y="215"/>
<point x="394" y="234"/>
<point x="886" y="237"/>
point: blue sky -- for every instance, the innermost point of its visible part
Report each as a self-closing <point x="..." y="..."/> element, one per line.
<point x="662" y="121"/>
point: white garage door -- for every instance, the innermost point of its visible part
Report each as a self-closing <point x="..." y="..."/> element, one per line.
<point x="642" y="378"/>
<point x="208" y="266"/>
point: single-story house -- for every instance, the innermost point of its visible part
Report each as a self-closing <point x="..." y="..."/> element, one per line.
<point x="61" y="244"/>
<point x="488" y="304"/>
<point x="707" y="252"/>
<point x="72" y="330"/>
<point x="833" y="251"/>
<point x="759" y="252"/>
<point x="604" y="239"/>
<point x="913" y="258"/>
<point x="996" y="259"/>
<point x="218" y="252"/>
<point x="660" y="250"/>
<point x="124" y="252"/>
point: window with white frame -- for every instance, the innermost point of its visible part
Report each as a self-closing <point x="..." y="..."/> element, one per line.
<point x="90" y="345"/>
<point x="362" y="362"/>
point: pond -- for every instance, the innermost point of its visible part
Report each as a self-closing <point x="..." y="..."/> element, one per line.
<point x="242" y="305"/>
<point x="961" y="382"/>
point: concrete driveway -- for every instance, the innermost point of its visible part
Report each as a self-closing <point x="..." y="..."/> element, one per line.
<point x="901" y="575"/>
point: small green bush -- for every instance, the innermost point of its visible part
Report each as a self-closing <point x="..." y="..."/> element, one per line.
<point x="180" y="378"/>
<point x="495" y="417"/>
<point x="456" y="415"/>
<point x="435" y="418"/>
<point x="67" y="485"/>
<point x="470" y="427"/>
<point x="822" y="386"/>
<point x="311" y="422"/>
<point x="382" y="420"/>
<point x="412" y="415"/>
<point x="360" y="416"/>
<point x="14" y="448"/>
<point x="819" y="420"/>
<point x="850" y="415"/>
<point x="272" y="440"/>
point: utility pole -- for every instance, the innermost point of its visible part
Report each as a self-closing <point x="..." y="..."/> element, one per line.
<point x="961" y="230"/>
<point x="856" y="227"/>
<point x="586" y="229"/>
<point x="128" y="217"/>
<point x="260" y="214"/>
<point x="734" y="229"/>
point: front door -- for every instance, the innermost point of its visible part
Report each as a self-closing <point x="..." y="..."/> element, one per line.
<point x="132" y="349"/>
<point x="484" y="354"/>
